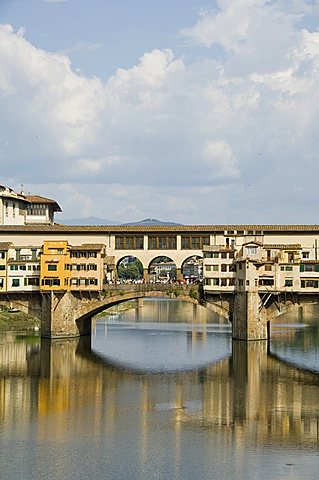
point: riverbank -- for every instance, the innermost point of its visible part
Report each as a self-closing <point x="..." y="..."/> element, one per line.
<point x="18" y="321"/>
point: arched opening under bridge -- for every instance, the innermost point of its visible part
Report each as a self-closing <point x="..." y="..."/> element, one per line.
<point x="192" y="269"/>
<point x="162" y="269"/>
<point x="129" y="270"/>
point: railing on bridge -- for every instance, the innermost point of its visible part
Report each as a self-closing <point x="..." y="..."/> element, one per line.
<point x="192" y="290"/>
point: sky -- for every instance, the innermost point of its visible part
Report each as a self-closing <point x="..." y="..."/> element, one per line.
<point x="198" y="113"/>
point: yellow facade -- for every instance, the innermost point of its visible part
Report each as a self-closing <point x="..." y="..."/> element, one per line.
<point x="4" y="246"/>
<point x="55" y="265"/>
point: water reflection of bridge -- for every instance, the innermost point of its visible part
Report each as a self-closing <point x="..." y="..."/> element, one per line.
<point x="252" y="394"/>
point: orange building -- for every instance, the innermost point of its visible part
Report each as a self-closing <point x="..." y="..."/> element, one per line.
<point x="55" y="265"/>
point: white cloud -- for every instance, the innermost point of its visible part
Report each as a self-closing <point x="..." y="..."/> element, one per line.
<point x="219" y="160"/>
<point x="167" y="138"/>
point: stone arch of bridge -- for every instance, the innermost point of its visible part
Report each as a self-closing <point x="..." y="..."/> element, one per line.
<point x="87" y="310"/>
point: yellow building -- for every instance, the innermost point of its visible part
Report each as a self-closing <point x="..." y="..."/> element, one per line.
<point x="4" y="247"/>
<point x="55" y="265"/>
<point x="66" y="267"/>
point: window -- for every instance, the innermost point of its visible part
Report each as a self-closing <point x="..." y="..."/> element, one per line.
<point x="15" y="282"/>
<point x="223" y="282"/>
<point x="252" y="250"/>
<point x="14" y="267"/>
<point x="211" y="255"/>
<point x="92" y="266"/>
<point x="2" y="255"/>
<point x="34" y="282"/>
<point x="309" y="283"/>
<point x="2" y="267"/>
<point x="194" y="242"/>
<point x="208" y="268"/>
<point x="223" y="267"/>
<point x="129" y="242"/>
<point x="289" y="282"/>
<point x="268" y="268"/>
<point x="223" y="255"/>
<point x="36" y="209"/>
<point x="52" y="267"/>
<point x="266" y="282"/>
<point x="161" y="242"/>
<point x="51" y="282"/>
<point x="305" y="255"/>
<point x="286" y="268"/>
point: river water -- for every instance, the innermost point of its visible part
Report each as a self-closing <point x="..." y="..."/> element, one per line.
<point x="161" y="392"/>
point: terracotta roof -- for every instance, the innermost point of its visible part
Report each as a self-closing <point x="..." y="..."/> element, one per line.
<point x="44" y="200"/>
<point x="88" y="246"/>
<point x="289" y="246"/>
<point x="253" y="242"/>
<point x="178" y="229"/>
<point x="5" y="245"/>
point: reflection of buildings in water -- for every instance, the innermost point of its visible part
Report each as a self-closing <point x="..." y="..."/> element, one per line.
<point x="163" y="311"/>
<point x="252" y="395"/>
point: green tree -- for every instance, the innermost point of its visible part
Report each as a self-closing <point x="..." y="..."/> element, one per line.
<point x="130" y="271"/>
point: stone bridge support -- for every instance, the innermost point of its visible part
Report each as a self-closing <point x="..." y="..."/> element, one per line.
<point x="248" y="319"/>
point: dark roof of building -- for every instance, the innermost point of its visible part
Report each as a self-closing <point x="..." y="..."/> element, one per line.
<point x="43" y="200"/>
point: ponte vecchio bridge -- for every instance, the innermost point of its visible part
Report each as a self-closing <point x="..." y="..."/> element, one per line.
<point x="250" y="272"/>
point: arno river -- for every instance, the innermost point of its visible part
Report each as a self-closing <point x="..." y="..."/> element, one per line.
<point x="162" y="392"/>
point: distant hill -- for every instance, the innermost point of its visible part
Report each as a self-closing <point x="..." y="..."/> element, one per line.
<point x="102" y="221"/>
<point x="149" y="222"/>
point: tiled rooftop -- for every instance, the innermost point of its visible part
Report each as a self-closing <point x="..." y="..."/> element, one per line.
<point x="199" y="229"/>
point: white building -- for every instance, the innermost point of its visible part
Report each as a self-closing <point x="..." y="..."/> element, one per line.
<point x="23" y="269"/>
<point x="255" y="266"/>
<point x="20" y="209"/>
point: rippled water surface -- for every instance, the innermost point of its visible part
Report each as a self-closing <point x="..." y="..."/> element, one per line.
<point x="161" y="392"/>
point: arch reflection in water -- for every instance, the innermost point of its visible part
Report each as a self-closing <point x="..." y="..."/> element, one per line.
<point x="162" y="335"/>
<point x="60" y="401"/>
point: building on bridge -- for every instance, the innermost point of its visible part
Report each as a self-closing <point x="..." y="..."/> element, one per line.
<point x="67" y="267"/>
<point x="255" y="266"/>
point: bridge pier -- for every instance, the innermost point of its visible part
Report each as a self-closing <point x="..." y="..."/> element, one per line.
<point x="59" y="316"/>
<point x="146" y="275"/>
<point x="248" y="322"/>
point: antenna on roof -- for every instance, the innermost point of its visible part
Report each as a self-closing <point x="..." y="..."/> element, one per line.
<point x="22" y="189"/>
